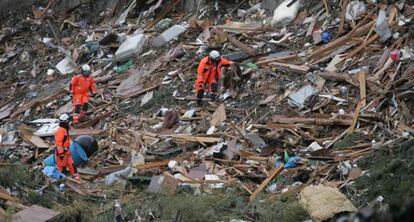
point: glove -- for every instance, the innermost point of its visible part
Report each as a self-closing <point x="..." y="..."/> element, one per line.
<point x="77" y="177"/>
<point x="93" y="95"/>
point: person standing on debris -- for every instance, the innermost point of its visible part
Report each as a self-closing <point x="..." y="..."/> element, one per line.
<point x="80" y="86"/>
<point x="62" y="152"/>
<point x="209" y="72"/>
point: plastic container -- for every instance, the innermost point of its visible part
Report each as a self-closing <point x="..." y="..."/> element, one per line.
<point x="89" y="144"/>
<point x="78" y="155"/>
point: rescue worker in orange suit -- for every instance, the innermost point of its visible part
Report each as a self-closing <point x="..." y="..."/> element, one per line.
<point x="62" y="153"/>
<point x="209" y="73"/>
<point x="80" y="86"/>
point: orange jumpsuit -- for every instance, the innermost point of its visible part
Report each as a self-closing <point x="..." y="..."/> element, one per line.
<point x="80" y="86"/>
<point x="208" y="73"/>
<point x="62" y="153"/>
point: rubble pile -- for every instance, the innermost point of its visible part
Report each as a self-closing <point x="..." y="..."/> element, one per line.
<point x="317" y="87"/>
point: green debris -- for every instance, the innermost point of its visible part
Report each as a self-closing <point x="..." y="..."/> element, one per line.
<point x="252" y="65"/>
<point x="124" y="67"/>
<point x="390" y="175"/>
<point x="349" y="140"/>
<point x="14" y="174"/>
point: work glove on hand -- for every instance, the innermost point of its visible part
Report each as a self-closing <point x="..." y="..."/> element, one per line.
<point x="93" y="95"/>
<point x="77" y="177"/>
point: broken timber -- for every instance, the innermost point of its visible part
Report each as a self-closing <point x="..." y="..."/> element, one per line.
<point x="312" y="121"/>
<point x="35" y="102"/>
<point x="272" y="175"/>
<point x="245" y="48"/>
<point x="28" y="136"/>
<point x="302" y="68"/>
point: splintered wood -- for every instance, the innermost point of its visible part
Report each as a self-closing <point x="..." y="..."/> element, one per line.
<point x="272" y="175"/>
<point x="312" y="121"/>
<point x="218" y="116"/>
<point x="28" y="136"/>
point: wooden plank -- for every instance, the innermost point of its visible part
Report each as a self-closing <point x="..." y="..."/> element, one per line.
<point x="302" y="68"/>
<point x="362" y="88"/>
<point x="27" y="135"/>
<point x="355" y="120"/>
<point x="8" y="197"/>
<point x="152" y="165"/>
<point x="141" y="92"/>
<point x="343" y="13"/>
<point x="91" y="132"/>
<point x="35" y="214"/>
<point x="218" y="116"/>
<point x="6" y="110"/>
<point x="277" y="59"/>
<point x="245" y="48"/>
<point x="312" y="121"/>
<point x="67" y="108"/>
<point x="73" y="187"/>
<point x="76" y="132"/>
<point x="35" y="102"/>
<point x="333" y="76"/>
<point x="94" y="121"/>
<point x="199" y="139"/>
<point x="272" y="175"/>
<point x="362" y="46"/>
<point x="327" y="48"/>
<point x="111" y="169"/>
<point x="281" y="126"/>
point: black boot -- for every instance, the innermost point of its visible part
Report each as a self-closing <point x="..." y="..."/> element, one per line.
<point x="200" y="95"/>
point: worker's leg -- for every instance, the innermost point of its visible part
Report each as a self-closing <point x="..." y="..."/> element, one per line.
<point x="60" y="162"/>
<point x="213" y="90"/>
<point x="77" y="106"/>
<point x="85" y="100"/>
<point x="199" y="90"/>
<point x="71" y="165"/>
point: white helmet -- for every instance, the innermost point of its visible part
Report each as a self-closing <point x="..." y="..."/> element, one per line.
<point x="86" y="69"/>
<point x="214" y="55"/>
<point x="64" y="118"/>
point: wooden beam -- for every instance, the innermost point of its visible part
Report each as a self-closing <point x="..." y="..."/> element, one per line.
<point x="36" y="101"/>
<point x="94" y="121"/>
<point x="343" y="13"/>
<point x="321" y="51"/>
<point x="141" y="92"/>
<point x="152" y="165"/>
<point x="362" y="46"/>
<point x="302" y="68"/>
<point x="200" y="139"/>
<point x="272" y="175"/>
<point x="245" y="48"/>
<point x="8" y="197"/>
<point x="355" y="120"/>
<point x="27" y="135"/>
<point x="312" y="121"/>
<point x="277" y="59"/>
<point x="362" y="88"/>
